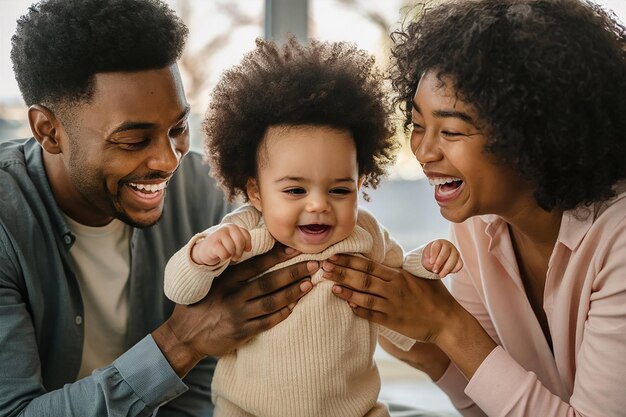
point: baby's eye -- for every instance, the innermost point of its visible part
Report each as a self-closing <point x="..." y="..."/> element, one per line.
<point x="341" y="191"/>
<point x="294" y="191"/>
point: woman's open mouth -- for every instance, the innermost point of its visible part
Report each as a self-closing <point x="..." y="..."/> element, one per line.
<point x="446" y="189"/>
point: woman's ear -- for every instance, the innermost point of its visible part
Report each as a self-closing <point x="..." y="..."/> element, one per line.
<point x="254" y="195"/>
<point x="45" y="127"/>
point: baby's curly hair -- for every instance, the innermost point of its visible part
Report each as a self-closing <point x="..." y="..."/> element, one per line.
<point x="548" y="78"/>
<point x="60" y="44"/>
<point x="325" y="84"/>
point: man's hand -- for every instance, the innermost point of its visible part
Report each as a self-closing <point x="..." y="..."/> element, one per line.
<point x="235" y="309"/>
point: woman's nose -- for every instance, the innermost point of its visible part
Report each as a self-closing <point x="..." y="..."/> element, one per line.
<point x="425" y="147"/>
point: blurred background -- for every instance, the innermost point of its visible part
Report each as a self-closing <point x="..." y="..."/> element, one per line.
<point x="221" y="32"/>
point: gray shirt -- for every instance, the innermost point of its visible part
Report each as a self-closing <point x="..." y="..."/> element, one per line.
<point x="41" y="311"/>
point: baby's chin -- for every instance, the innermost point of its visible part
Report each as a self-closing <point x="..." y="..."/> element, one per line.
<point x="311" y="248"/>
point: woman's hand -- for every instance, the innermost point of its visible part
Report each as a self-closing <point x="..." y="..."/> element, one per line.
<point x="421" y="309"/>
<point x="375" y="292"/>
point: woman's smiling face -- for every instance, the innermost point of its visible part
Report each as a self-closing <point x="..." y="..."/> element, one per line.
<point x="448" y="141"/>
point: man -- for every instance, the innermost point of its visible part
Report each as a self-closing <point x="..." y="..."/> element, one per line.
<point x="91" y="209"/>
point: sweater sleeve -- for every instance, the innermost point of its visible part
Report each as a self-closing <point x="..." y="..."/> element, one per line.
<point x="413" y="263"/>
<point x="389" y="252"/>
<point x="187" y="282"/>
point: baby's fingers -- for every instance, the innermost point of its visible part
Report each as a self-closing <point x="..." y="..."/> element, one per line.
<point x="441" y="258"/>
<point x="432" y="250"/>
<point x="241" y="240"/>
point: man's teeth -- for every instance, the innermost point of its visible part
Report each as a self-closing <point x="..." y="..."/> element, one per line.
<point x="153" y="188"/>
<point x="441" y="181"/>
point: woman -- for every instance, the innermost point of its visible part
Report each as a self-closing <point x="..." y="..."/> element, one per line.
<point x="518" y="111"/>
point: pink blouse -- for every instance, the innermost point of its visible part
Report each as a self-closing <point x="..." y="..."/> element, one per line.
<point x="585" y="303"/>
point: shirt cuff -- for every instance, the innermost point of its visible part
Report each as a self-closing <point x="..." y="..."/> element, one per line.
<point x="453" y="383"/>
<point x="498" y="382"/>
<point x="149" y="374"/>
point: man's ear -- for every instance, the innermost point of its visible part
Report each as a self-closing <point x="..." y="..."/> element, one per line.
<point x="45" y="127"/>
<point x="254" y="195"/>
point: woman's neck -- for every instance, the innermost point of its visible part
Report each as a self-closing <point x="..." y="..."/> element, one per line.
<point x="534" y="227"/>
<point x="533" y="235"/>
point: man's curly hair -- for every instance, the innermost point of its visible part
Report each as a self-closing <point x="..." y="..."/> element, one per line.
<point x="548" y="78"/>
<point x="60" y="44"/>
<point x="325" y="84"/>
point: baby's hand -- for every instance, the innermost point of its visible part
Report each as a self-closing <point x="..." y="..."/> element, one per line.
<point x="227" y="242"/>
<point x="441" y="257"/>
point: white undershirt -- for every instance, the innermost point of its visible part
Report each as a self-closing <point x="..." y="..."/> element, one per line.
<point x="102" y="259"/>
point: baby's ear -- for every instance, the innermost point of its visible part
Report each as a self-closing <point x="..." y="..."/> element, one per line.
<point x="254" y="195"/>
<point x="360" y="182"/>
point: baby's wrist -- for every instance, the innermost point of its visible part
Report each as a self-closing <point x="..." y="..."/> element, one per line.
<point x="195" y="254"/>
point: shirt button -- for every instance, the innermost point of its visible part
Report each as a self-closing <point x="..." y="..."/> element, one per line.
<point x="78" y="320"/>
<point x="67" y="239"/>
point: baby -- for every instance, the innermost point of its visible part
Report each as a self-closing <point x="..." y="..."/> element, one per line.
<point x="297" y="131"/>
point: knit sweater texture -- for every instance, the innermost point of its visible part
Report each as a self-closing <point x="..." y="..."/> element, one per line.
<point x="317" y="362"/>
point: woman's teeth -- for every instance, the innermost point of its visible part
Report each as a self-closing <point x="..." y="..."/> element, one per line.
<point x="441" y="181"/>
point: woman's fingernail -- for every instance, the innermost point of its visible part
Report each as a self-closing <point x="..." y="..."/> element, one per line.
<point x="291" y="306"/>
<point x="305" y="286"/>
<point x="289" y="251"/>
<point x="337" y="289"/>
<point x="327" y="266"/>
<point x="312" y="266"/>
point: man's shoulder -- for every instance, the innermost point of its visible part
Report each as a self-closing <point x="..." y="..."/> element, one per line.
<point x="13" y="171"/>
<point x="12" y="153"/>
<point x="193" y="195"/>
<point x="193" y="174"/>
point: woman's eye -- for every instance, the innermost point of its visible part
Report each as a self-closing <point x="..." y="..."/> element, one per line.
<point x="451" y="135"/>
<point x="416" y="127"/>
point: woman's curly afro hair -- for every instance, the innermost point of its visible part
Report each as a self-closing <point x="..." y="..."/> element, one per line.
<point x="325" y="84"/>
<point x="60" y="44"/>
<point x="548" y="78"/>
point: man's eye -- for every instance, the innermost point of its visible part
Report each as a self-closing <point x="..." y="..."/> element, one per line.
<point x="294" y="191"/>
<point x="179" y="130"/>
<point x="134" y="145"/>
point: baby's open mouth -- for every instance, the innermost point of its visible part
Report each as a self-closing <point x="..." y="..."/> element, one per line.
<point x="314" y="228"/>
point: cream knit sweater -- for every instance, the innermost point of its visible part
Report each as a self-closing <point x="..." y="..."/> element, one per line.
<point x="319" y="361"/>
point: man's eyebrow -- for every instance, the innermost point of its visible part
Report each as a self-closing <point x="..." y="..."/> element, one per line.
<point x="126" y="126"/>
<point x="448" y="113"/>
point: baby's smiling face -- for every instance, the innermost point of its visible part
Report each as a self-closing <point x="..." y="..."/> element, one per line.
<point x="306" y="186"/>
